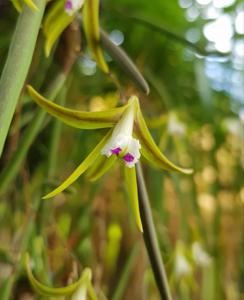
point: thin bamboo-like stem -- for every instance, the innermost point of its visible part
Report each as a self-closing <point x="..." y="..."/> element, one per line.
<point x="17" y="64"/>
<point x="150" y="237"/>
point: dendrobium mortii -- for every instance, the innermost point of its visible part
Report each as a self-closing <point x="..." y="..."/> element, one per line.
<point x="127" y="140"/>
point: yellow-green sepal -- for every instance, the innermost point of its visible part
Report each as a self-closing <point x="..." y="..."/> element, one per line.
<point x="84" y="289"/>
<point x="17" y="4"/>
<point x="149" y="148"/>
<point x="54" y="24"/>
<point x="91" y="28"/>
<point x="60" y="291"/>
<point x="89" y="160"/>
<point x="131" y="183"/>
<point x="78" y="119"/>
<point x="100" y="167"/>
<point x="31" y="4"/>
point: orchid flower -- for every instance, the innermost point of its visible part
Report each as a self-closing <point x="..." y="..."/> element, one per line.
<point x="62" y="13"/>
<point x="127" y="140"/>
<point x="78" y="290"/>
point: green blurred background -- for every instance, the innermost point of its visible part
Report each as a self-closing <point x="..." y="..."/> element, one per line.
<point x="196" y="115"/>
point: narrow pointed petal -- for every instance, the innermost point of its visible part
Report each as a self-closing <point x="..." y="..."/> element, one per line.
<point x="91" y="291"/>
<point x="78" y="119"/>
<point x="90" y="159"/>
<point x="130" y="179"/>
<point x="31" y="4"/>
<point x="49" y="291"/>
<point x="51" y="15"/>
<point x="91" y="28"/>
<point x="17" y="5"/>
<point x="150" y="150"/>
<point x="54" y="24"/>
<point x="100" y="167"/>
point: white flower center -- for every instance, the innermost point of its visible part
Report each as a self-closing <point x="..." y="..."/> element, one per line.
<point x="122" y="142"/>
<point x="71" y="6"/>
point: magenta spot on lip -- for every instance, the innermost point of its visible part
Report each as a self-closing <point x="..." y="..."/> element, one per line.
<point x="116" y="151"/>
<point x="68" y="5"/>
<point x="128" y="157"/>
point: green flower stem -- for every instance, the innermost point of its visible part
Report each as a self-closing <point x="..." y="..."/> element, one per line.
<point x="150" y="237"/>
<point x="12" y="168"/>
<point x="17" y="64"/>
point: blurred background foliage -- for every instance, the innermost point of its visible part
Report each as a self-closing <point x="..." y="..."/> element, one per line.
<point x="195" y="112"/>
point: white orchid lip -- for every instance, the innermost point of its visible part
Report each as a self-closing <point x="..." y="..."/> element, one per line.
<point x="71" y="6"/>
<point x="122" y="142"/>
<point x="124" y="146"/>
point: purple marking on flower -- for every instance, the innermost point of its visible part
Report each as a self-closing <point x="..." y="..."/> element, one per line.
<point x="68" y="5"/>
<point x="116" y="151"/>
<point x="128" y="157"/>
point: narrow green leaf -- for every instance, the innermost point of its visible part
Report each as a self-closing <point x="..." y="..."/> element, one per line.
<point x="172" y="35"/>
<point x="78" y="119"/>
<point x="49" y="291"/>
<point x="130" y="179"/>
<point x="121" y="57"/>
<point x="90" y="159"/>
<point x="91" y="28"/>
<point x="100" y="167"/>
<point x="149" y="148"/>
